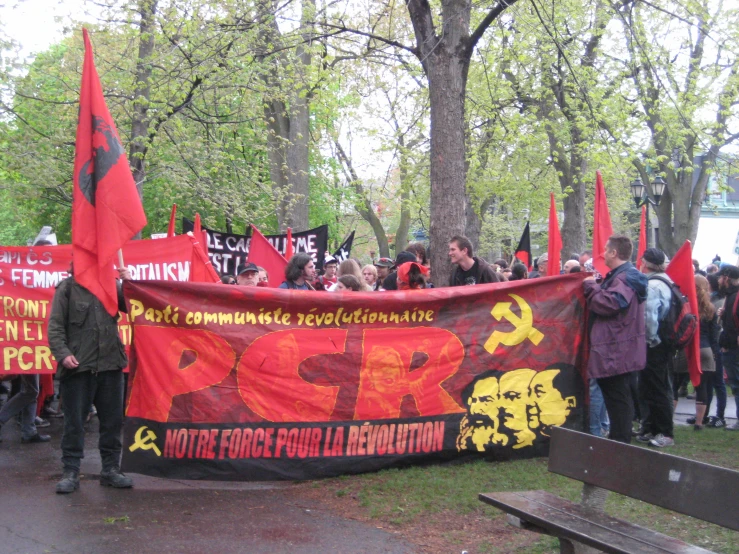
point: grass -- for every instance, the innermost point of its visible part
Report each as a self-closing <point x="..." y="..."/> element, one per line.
<point x="403" y="497"/>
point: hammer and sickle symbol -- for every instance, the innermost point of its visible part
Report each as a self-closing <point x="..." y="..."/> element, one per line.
<point x="145" y="442"/>
<point x="524" y="328"/>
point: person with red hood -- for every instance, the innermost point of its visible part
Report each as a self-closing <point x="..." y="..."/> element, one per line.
<point x="412" y="275"/>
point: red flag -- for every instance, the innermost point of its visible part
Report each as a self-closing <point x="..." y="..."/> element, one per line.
<point x="523" y="250"/>
<point x="200" y="235"/>
<point x="201" y="269"/>
<point x="262" y="253"/>
<point x="642" y="234"/>
<point x="172" y="217"/>
<point x="680" y="271"/>
<point x="289" y="246"/>
<point x="106" y="207"/>
<point x="555" y="239"/>
<point x="602" y="228"/>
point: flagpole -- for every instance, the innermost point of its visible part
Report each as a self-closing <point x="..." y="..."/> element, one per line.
<point x="120" y="259"/>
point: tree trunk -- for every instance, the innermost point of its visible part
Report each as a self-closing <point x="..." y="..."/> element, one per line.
<point x="141" y="97"/>
<point x="288" y="123"/>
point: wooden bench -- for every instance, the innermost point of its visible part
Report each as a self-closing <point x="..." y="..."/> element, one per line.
<point x="693" y="488"/>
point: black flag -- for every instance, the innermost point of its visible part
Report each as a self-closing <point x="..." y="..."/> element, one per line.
<point x="523" y="250"/>
<point x="345" y="249"/>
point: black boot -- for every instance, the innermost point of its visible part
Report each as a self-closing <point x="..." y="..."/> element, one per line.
<point x="113" y="477"/>
<point x="70" y="482"/>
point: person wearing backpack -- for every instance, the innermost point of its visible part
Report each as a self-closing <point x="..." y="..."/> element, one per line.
<point x="728" y="279"/>
<point x="655" y="387"/>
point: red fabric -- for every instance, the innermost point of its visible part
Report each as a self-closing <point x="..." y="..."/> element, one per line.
<point x="680" y="271"/>
<point x="642" y="235"/>
<point x="262" y="253"/>
<point x="106" y="208"/>
<point x="172" y="218"/>
<point x="46" y="390"/>
<point x="201" y="269"/>
<point x="602" y="228"/>
<point x="555" y="239"/>
<point x="523" y="251"/>
<point x="289" y="245"/>
<point x="403" y="270"/>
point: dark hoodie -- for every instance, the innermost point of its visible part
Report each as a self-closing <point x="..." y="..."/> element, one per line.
<point x="617" y="326"/>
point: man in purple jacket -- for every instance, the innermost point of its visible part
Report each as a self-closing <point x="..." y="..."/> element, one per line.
<point x="617" y="332"/>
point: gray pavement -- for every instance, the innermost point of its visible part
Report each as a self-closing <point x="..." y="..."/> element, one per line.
<point x="686" y="408"/>
<point x="160" y="515"/>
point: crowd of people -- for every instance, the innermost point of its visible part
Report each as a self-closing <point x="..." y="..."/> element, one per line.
<point x="635" y="374"/>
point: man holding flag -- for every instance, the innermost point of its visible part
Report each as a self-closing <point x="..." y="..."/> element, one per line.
<point x="83" y="331"/>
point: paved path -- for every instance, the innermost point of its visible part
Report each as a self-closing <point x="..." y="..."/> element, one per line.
<point x="686" y="409"/>
<point x="160" y="515"/>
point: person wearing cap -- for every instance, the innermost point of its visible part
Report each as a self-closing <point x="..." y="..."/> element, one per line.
<point x="728" y="280"/>
<point x="655" y="386"/>
<point x="391" y="281"/>
<point x="329" y="277"/>
<point x="383" y="265"/>
<point x="470" y="269"/>
<point x="617" y="332"/>
<point x="248" y="275"/>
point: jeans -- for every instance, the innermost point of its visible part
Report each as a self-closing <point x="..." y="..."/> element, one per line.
<point x="23" y="403"/>
<point x="617" y="397"/>
<point x="731" y="366"/>
<point x="598" y="414"/>
<point x="655" y="389"/>
<point x="105" y="391"/>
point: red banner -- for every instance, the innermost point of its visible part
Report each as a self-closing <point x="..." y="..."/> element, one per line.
<point x="257" y="384"/>
<point x="28" y="279"/>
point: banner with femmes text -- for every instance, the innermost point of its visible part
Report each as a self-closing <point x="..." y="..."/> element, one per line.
<point x="29" y="276"/>
<point x="238" y="383"/>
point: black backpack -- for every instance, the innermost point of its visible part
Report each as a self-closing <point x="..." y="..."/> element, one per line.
<point x="679" y="325"/>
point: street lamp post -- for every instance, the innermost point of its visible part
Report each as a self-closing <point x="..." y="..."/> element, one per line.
<point x="641" y="196"/>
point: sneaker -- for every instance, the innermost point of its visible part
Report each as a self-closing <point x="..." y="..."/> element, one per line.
<point x="690" y="421"/>
<point x="697" y="427"/>
<point x="114" y="478"/>
<point x="716" y="422"/>
<point x="732" y="427"/>
<point x="41" y="422"/>
<point x="36" y="438"/>
<point x="660" y="441"/>
<point x="51" y="412"/>
<point x="69" y="482"/>
<point x="646" y="437"/>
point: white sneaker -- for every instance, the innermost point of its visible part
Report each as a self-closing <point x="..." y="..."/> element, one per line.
<point x="732" y="427"/>
<point x="660" y="441"/>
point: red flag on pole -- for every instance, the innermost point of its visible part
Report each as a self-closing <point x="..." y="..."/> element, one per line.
<point x="602" y="228"/>
<point x="523" y="250"/>
<point x="200" y="235"/>
<point x="172" y="218"/>
<point x="555" y="239"/>
<point x="106" y="207"/>
<point x="642" y="234"/>
<point x="262" y="253"/>
<point x="680" y="271"/>
<point x="289" y="246"/>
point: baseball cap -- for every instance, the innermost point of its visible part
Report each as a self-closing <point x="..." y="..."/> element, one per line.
<point x="654" y="256"/>
<point x="329" y="260"/>
<point x="730" y="271"/>
<point x="248" y="266"/>
<point x="385" y="262"/>
<point x="404" y="257"/>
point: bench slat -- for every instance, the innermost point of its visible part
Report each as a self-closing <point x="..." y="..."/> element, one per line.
<point x="692" y="488"/>
<point x="597" y="529"/>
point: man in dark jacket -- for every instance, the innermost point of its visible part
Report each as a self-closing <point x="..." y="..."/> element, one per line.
<point x="83" y="337"/>
<point x="728" y="280"/>
<point x="618" y="344"/>
<point x="470" y="270"/>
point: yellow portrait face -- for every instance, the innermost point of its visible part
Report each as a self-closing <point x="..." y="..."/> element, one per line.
<point x="550" y="407"/>
<point x="514" y="388"/>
